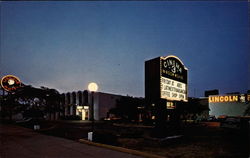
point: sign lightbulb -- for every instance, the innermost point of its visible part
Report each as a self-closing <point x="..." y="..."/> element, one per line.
<point x="11" y="82"/>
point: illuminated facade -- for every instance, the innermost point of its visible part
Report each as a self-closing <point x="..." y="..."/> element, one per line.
<point x="78" y="104"/>
<point x="230" y="105"/>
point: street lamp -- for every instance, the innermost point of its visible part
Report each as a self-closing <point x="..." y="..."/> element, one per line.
<point x="93" y="87"/>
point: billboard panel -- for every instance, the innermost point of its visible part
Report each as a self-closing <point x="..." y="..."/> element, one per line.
<point x="173" y="90"/>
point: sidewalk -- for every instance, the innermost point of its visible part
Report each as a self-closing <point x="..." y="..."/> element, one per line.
<point x="25" y="143"/>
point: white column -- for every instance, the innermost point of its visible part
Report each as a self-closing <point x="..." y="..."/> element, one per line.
<point x="71" y="110"/>
<point x="77" y="98"/>
<point x="56" y="115"/>
<point x="71" y="98"/>
<point x="66" y="110"/>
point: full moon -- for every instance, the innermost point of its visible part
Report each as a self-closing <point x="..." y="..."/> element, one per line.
<point x="93" y="87"/>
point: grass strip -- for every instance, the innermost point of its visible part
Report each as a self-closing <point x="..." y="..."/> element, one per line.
<point x="121" y="149"/>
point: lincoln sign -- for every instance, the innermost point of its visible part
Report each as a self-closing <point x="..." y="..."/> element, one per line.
<point x="229" y="98"/>
<point x="173" y="79"/>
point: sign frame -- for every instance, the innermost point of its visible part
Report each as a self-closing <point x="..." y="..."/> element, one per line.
<point x="10" y="83"/>
<point x="175" y="73"/>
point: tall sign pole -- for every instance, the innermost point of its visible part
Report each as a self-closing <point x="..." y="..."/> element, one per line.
<point x="93" y="87"/>
<point x="165" y="85"/>
<point x="10" y="84"/>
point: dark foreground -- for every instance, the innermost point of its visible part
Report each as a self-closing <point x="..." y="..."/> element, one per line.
<point x="197" y="141"/>
<point x="24" y="143"/>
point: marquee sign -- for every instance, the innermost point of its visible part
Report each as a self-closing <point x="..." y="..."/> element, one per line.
<point x="10" y="83"/>
<point x="221" y="99"/>
<point x="173" y="79"/>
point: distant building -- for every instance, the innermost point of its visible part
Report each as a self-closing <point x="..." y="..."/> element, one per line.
<point x="231" y="104"/>
<point x="211" y="92"/>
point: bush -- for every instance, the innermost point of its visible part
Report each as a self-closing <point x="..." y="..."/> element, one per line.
<point x="105" y="137"/>
<point x="131" y="133"/>
<point x="165" y="130"/>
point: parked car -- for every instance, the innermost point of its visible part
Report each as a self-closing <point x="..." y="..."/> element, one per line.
<point x="211" y="118"/>
<point x="231" y="122"/>
<point x="222" y="118"/>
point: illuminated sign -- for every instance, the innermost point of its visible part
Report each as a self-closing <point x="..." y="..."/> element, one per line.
<point x="10" y="83"/>
<point x="173" y="68"/>
<point x="229" y="98"/>
<point x="242" y="98"/>
<point x="173" y="80"/>
<point x="173" y="90"/>
<point x="220" y="99"/>
<point x="170" y="105"/>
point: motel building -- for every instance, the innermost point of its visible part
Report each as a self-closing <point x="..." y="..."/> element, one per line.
<point x="228" y="105"/>
<point x="79" y="104"/>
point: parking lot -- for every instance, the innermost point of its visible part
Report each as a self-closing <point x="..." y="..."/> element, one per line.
<point x="205" y="139"/>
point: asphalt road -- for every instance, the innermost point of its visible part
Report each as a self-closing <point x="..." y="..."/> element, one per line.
<point x="21" y="142"/>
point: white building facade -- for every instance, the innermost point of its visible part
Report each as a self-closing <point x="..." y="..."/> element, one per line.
<point x="80" y="104"/>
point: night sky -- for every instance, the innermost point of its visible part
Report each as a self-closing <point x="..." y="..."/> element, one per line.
<point x="66" y="45"/>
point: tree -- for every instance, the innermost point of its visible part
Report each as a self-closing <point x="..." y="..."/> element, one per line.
<point x="30" y="101"/>
<point x="53" y="99"/>
<point x="127" y="108"/>
<point x="247" y="111"/>
<point x="9" y="106"/>
<point x="192" y="107"/>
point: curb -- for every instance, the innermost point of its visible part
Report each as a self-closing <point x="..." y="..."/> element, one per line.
<point x="121" y="149"/>
<point x="124" y="125"/>
<point x="46" y="129"/>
